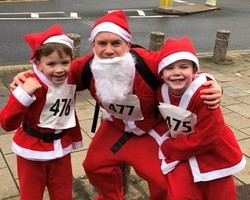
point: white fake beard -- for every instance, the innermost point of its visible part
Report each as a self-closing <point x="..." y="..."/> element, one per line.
<point x="113" y="77"/>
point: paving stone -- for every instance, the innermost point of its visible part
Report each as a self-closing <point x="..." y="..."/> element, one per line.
<point x="233" y="92"/>
<point x="8" y="186"/>
<point x="244" y="144"/>
<point x="236" y="120"/>
<point x="242" y="108"/>
<point x="245" y="99"/>
<point x="244" y="175"/>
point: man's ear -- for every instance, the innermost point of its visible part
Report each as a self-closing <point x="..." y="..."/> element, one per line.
<point x="129" y="45"/>
<point x="93" y="47"/>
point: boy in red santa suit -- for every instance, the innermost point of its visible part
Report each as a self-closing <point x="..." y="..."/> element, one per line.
<point x="199" y="151"/>
<point x="129" y="105"/>
<point x="42" y="111"/>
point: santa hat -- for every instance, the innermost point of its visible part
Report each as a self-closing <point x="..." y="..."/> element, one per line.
<point x="114" y="22"/>
<point x="177" y="49"/>
<point x="54" y="34"/>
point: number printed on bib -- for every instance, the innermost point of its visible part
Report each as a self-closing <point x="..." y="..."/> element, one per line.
<point x="58" y="112"/>
<point x="61" y="107"/>
<point x="128" y="109"/>
<point x="179" y="121"/>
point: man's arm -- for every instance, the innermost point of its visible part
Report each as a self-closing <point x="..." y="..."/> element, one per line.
<point x="212" y="95"/>
<point x="19" y="79"/>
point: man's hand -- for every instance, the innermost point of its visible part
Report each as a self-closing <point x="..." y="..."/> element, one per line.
<point x="19" y="79"/>
<point x="212" y="95"/>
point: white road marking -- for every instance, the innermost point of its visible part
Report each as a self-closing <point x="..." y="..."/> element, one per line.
<point x="41" y="18"/>
<point x="38" y="16"/>
<point x="141" y="12"/>
<point x="34" y="15"/>
<point x="185" y="2"/>
<point x="154" y="16"/>
<point x="27" y="13"/>
<point x="73" y="15"/>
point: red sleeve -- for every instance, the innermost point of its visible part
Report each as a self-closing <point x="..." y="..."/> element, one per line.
<point x="76" y="71"/>
<point x="12" y="115"/>
<point x="207" y="133"/>
<point x="150" y="58"/>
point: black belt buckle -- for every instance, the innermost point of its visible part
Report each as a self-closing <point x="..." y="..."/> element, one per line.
<point x="48" y="137"/>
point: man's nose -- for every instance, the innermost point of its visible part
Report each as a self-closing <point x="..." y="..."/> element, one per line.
<point x="109" y="49"/>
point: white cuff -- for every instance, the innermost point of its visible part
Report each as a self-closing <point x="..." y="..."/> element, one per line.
<point x="23" y="97"/>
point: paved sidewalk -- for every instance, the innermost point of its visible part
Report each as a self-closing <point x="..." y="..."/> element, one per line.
<point x="233" y="76"/>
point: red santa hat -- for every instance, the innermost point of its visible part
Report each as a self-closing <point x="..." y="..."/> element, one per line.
<point x="54" y="34"/>
<point x="177" y="49"/>
<point x="114" y="22"/>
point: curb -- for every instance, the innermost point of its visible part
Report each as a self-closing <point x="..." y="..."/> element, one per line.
<point x="13" y="69"/>
<point x="187" y="9"/>
<point x="229" y="53"/>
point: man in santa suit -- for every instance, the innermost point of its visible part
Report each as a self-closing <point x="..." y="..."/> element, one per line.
<point x="199" y="151"/>
<point x="130" y="107"/>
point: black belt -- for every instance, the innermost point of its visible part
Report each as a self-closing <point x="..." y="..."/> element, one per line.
<point x="121" y="141"/>
<point x="46" y="137"/>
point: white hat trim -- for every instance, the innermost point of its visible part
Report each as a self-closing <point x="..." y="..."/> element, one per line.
<point x="110" y="27"/>
<point x="175" y="57"/>
<point x="63" y="39"/>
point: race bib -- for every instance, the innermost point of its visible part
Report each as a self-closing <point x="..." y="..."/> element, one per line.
<point x="58" y="111"/>
<point x="128" y="109"/>
<point x="179" y="121"/>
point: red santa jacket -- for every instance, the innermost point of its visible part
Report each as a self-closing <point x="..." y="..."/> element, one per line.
<point x="209" y="144"/>
<point x="141" y="89"/>
<point x="20" y="109"/>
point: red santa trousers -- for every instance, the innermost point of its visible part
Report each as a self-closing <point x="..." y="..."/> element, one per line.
<point x="34" y="176"/>
<point x="182" y="187"/>
<point x="102" y="165"/>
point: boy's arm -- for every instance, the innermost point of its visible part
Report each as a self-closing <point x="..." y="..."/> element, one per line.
<point x="12" y="115"/>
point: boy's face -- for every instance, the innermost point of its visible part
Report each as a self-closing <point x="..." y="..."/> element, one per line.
<point x="108" y="45"/>
<point x="178" y="76"/>
<point x="54" y="67"/>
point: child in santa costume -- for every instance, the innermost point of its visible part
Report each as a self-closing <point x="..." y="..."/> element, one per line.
<point x="199" y="151"/>
<point x="42" y="111"/>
